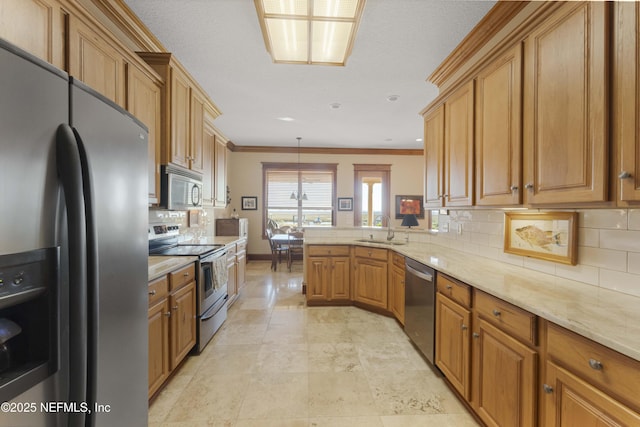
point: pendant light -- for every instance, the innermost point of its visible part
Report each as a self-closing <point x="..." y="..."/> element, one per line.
<point x="294" y="195"/>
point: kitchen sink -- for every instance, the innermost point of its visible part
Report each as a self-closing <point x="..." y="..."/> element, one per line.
<point x="382" y="242"/>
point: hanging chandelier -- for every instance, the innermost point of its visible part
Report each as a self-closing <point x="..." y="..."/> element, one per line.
<point x="297" y="195"/>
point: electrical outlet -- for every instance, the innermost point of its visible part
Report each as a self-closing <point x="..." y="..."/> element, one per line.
<point x="459" y="228"/>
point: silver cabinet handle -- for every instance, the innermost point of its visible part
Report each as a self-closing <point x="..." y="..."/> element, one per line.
<point x="168" y="314"/>
<point x="547" y="388"/>
<point x="496" y="313"/>
<point x="186" y="274"/>
<point x="175" y="307"/>
<point x="624" y="175"/>
<point x="153" y="292"/>
<point x="465" y="327"/>
<point x="528" y="186"/>
<point x="449" y="287"/>
<point x="595" y="364"/>
<point x="475" y="335"/>
<point x="514" y="188"/>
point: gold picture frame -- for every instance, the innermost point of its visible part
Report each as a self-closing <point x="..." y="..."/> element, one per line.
<point x="551" y="236"/>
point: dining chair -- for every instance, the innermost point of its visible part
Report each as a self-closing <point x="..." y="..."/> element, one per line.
<point x="296" y="240"/>
<point x="278" y="250"/>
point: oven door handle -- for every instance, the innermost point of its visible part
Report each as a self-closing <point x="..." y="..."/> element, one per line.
<point x="214" y="309"/>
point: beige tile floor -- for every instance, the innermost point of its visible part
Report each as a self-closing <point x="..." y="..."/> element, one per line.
<point x="277" y="363"/>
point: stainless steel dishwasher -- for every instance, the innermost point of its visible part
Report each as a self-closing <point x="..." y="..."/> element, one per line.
<point x="419" y="314"/>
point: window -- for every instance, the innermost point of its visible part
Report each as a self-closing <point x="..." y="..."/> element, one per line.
<point x="371" y="191"/>
<point x="299" y="195"/>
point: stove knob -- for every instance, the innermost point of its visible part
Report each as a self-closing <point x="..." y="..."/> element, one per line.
<point x="18" y="279"/>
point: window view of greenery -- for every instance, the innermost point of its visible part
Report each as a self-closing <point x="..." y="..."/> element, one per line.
<point x="300" y="198"/>
<point x="371" y="204"/>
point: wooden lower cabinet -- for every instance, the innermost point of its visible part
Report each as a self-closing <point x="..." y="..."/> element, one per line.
<point x="571" y="401"/>
<point x="158" y="345"/>
<point x="453" y="345"/>
<point x="172" y="323"/>
<point x="504" y="378"/>
<point x="328" y="273"/>
<point x="370" y="276"/>
<point x="397" y="287"/>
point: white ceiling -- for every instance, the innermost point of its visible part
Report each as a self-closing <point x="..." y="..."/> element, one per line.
<point x="398" y="45"/>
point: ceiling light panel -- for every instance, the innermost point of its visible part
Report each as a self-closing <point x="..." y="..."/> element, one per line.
<point x="309" y="31"/>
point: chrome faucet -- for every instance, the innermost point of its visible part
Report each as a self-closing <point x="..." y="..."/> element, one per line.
<point x="390" y="233"/>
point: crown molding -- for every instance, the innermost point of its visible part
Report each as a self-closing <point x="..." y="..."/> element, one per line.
<point x="324" y="150"/>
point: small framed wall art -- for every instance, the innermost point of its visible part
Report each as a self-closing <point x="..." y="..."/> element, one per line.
<point x="551" y="236"/>
<point x="345" y="203"/>
<point x="249" y="203"/>
<point x="409" y="205"/>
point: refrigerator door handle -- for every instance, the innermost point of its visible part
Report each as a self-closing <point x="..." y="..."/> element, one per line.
<point x="70" y="174"/>
<point x="92" y="279"/>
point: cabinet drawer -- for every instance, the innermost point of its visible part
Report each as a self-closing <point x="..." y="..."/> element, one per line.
<point x="181" y="277"/>
<point x="231" y="251"/>
<point x="511" y="319"/>
<point x="241" y="246"/>
<point x="327" y="250"/>
<point x="373" y="253"/>
<point x="604" y="368"/>
<point x="457" y="291"/>
<point x="158" y="289"/>
<point x="398" y="260"/>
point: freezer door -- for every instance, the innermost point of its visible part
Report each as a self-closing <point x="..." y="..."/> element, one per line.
<point x="33" y="102"/>
<point x="116" y="152"/>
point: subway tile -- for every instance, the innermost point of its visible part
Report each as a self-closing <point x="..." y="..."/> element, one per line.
<point x="588" y="237"/>
<point x="622" y="240"/>
<point x="496" y="216"/>
<point x="634" y="219"/>
<point x="603" y="218"/>
<point x="480" y="239"/>
<point x="626" y="283"/>
<point x="581" y="273"/>
<point x="633" y="262"/>
<point x="496" y="241"/>
<point x="604" y="258"/>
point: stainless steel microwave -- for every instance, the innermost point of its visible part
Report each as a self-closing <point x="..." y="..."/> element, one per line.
<point x="181" y="189"/>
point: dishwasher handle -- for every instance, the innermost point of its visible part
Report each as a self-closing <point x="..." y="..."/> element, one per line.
<point x="420" y="274"/>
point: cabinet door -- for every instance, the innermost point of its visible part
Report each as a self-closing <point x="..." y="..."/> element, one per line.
<point x="144" y="102"/>
<point x="434" y="158"/>
<point x="453" y="355"/>
<point x="183" y="322"/>
<point x="396" y="296"/>
<point x="458" y="147"/>
<point x="339" y="283"/>
<point x="241" y="263"/>
<point x="35" y="26"/>
<point x="220" y="172"/>
<point x="196" y="143"/>
<point x="180" y="100"/>
<point x="371" y="282"/>
<point x="626" y="117"/>
<point x="95" y="62"/>
<point x="232" y="283"/>
<point x="158" y="345"/>
<point x="565" y="106"/>
<point x="498" y="137"/>
<point x="504" y="378"/>
<point x="208" y="163"/>
<point x="317" y="273"/>
<point x="570" y="401"/>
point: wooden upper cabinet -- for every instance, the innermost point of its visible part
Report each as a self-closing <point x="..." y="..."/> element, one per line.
<point x="208" y="154"/>
<point x="566" y="106"/>
<point x="498" y="141"/>
<point x="220" y="173"/>
<point x="36" y="26"/>
<point x="434" y="157"/>
<point x="144" y="102"/>
<point x="94" y="61"/>
<point x="626" y="116"/>
<point x="458" y="147"/>
<point x="180" y="125"/>
<point x="196" y="148"/>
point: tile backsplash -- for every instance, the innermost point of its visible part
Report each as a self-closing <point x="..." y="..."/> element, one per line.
<point x="608" y="245"/>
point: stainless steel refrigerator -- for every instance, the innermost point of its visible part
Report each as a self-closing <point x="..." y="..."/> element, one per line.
<point x="73" y="252"/>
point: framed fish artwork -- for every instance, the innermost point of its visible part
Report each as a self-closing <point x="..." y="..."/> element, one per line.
<point x="551" y="236"/>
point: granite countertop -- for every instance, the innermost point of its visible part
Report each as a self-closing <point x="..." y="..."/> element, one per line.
<point x="605" y="316"/>
<point x="161" y="265"/>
